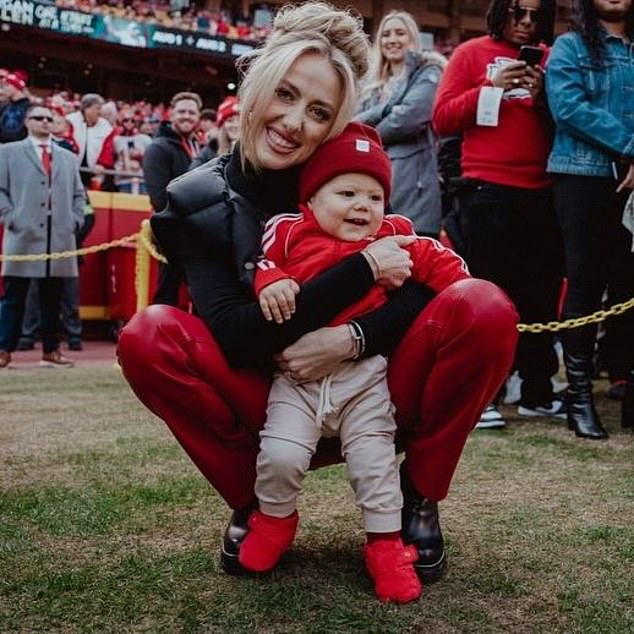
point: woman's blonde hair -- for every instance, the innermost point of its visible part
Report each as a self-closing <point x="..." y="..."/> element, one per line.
<point x="380" y="69"/>
<point x="314" y="27"/>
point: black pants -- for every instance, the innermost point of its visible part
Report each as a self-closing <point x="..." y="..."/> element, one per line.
<point x="599" y="257"/>
<point x="71" y="322"/>
<point x="512" y="239"/>
<point x="12" y="311"/>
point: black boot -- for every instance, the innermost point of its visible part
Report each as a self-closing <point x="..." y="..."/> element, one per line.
<point x="581" y="413"/>
<point x="421" y="527"/>
<point x="627" y="406"/>
<point x="235" y="533"/>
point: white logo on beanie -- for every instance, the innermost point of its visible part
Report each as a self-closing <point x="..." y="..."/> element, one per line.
<point x="362" y="145"/>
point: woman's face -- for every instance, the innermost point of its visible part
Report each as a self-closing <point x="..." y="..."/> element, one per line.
<point x="395" y="41"/>
<point x="301" y="113"/>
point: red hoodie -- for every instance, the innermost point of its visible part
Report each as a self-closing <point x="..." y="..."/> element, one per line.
<point x="513" y="153"/>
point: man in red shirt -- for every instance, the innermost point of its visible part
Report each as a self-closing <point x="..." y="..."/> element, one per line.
<point x="496" y="102"/>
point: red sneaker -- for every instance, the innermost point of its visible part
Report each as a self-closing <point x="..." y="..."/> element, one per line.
<point x="391" y="565"/>
<point x="267" y="540"/>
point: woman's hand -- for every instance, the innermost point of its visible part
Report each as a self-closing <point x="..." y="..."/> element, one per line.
<point x="510" y="76"/>
<point x="628" y="181"/>
<point x="390" y="262"/>
<point x="316" y="354"/>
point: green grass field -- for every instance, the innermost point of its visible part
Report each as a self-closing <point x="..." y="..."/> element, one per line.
<point x="105" y="526"/>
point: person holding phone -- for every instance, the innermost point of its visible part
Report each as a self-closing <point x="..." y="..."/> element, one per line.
<point x="492" y="93"/>
<point x="590" y="79"/>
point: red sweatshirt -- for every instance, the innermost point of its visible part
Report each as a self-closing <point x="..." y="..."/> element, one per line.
<point x="294" y="245"/>
<point x="513" y="153"/>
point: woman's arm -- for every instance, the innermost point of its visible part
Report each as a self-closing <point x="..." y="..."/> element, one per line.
<point x="232" y="313"/>
<point x="319" y="352"/>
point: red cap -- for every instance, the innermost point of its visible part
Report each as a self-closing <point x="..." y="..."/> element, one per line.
<point x="16" y="79"/>
<point x="357" y="149"/>
<point x="226" y="110"/>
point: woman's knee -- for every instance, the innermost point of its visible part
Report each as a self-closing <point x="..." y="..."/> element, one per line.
<point x="150" y="332"/>
<point x="482" y="310"/>
<point x="485" y="300"/>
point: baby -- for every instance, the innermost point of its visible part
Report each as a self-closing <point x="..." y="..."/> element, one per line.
<point x="344" y="188"/>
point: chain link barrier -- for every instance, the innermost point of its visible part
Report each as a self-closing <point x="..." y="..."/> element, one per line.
<point x="143" y="239"/>
<point x="578" y="322"/>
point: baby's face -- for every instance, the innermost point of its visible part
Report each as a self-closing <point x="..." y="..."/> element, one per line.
<point x="349" y="207"/>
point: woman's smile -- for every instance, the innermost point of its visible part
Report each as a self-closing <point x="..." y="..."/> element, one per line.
<point x="301" y="113"/>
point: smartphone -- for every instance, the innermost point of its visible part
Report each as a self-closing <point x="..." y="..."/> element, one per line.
<point x="532" y="55"/>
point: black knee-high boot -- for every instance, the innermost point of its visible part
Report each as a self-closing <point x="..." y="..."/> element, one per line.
<point x="627" y="407"/>
<point x="581" y="413"/>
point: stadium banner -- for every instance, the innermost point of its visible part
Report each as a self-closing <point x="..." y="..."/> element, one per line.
<point x="43" y="15"/>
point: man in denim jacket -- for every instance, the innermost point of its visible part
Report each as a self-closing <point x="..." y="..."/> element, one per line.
<point x="590" y="90"/>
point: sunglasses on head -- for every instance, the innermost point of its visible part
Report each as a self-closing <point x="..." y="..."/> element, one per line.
<point x="42" y="117"/>
<point x="519" y="13"/>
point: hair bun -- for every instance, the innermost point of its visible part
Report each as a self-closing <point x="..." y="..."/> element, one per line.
<point x="340" y="27"/>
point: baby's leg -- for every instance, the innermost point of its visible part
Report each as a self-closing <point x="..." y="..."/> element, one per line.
<point x="367" y="439"/>
<point x="287" y="443"/>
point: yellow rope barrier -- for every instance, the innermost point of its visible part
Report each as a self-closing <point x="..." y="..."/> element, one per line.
<point x="39" y="257"/>
<point x="142" y="268"/>
<point x="145" y="236"/>
<point x="145" y="248"/>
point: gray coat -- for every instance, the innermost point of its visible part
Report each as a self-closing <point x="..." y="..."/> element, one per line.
<point x="404" y="124"/>
<point x="24" y="208"/>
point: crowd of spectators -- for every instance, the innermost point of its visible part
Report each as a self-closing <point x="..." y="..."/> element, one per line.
<point x="180" y="14"/>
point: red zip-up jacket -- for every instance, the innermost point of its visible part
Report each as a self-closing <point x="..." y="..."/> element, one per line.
<point x="295" y="246"/>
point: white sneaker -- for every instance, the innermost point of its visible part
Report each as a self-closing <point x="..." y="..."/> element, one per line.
<point x="513" y="392"/>
<point x="491" y="419"/>
<point x="556" y="409"/>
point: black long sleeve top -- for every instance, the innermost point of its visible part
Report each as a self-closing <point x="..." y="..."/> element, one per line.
<point x="213" y="226"/>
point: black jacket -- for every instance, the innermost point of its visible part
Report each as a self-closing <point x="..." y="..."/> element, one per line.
<point x="213" y="225"/>
<point x="164" y="160"/>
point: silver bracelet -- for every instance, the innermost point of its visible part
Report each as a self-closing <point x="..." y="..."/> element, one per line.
<point x="358" y="337"/>
<point x="376" y="262"/>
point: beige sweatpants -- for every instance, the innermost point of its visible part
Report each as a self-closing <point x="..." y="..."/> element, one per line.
<point x="353" y="403"/>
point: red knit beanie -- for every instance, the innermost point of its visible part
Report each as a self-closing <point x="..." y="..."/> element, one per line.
<point x="226" y="110"/>
<point x="357" y="149"/>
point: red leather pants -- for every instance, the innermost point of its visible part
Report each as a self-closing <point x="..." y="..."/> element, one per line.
<point x="450" y="364"/>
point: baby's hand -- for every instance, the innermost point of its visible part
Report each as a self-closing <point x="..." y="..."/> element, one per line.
<point x="277" y="300"/>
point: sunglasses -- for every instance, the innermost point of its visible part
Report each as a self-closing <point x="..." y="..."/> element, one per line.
<point x="519" y="13"/>
<point x="41" y="117"/>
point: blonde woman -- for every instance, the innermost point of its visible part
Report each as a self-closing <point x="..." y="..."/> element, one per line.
<point x="208" y="375"/>
<point x="397" y="99"/>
